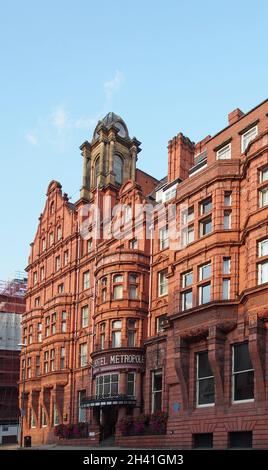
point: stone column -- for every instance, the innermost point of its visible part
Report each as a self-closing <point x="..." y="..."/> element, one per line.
<point x="110" y="162"/>
<point x="102" y="160"/>
<point x="138" y="389"/>
<point x="216" y="348"/>
<point x="181" y="362"/>
<point x="35" y="405"/>
<point x="122" y="391"/>
<point x="86" y="153"/>
<point x="123" y="383"/>
<point x="133" y="162"/>
<point x="257" y="350"/>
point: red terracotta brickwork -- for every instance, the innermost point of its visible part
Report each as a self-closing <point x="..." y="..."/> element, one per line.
<point x="210" y="289"/>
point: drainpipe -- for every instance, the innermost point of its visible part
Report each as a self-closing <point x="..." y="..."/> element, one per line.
<point x="150" y="281"/>
<point x="75" y="322"/>
<point x="94" y="296"/>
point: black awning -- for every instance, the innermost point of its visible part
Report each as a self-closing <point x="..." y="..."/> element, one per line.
<point x="96" y="401"/>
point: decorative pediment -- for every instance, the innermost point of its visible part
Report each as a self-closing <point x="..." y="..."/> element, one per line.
<point x="161" y="258"/>
<point x="52" y="186"/>
<point x="129" y="185"/>
<point x="161" y="302"/>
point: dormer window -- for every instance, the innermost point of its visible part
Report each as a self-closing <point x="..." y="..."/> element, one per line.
<point x="170" y="192"/>
<point x="52" y="208"/>
<point x="224" y="153"/>
<point x="247" y="137"/>
<point x="206" y="206"/>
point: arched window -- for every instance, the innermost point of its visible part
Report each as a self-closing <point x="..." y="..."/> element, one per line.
<point x="59" y="232"/>
<point x="127" y="213"/>
<point x="96" y="170"/>
<point x="52" y="207"/>
<point x="118" y="169"/>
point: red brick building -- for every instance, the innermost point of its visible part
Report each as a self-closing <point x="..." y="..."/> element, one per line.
<point x="162" y="305"/>
<point x="12" y="306"/>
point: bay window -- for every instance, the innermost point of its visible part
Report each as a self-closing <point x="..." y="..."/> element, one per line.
<point x="205" y="226"/>
<point x="263" y="266"/>
<point x="226" y="265"/>
<point x="116" y="333"/>
<point x="187" y="299"/>
<point x="62" y="358"/>
<point x="131" y="332"/>
<point x="204" y="271"/>
<point x="103" y="289"/>
<point x="118" y="287"/>
<point x="206" y="206"/>
<point x="227" y="220"/>
<point x="133" y="286"/>
<point x="204" y="293"/>
<point x="226" y="289"/>
<point x="102" y="335"/>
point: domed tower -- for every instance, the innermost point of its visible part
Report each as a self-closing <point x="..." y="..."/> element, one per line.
<point x="110" y="157"/>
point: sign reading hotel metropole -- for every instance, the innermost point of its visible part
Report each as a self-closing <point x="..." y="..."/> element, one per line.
<point x="122" y="359"/>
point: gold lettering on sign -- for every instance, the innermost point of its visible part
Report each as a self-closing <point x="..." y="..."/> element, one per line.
<point x="119" y="359"/>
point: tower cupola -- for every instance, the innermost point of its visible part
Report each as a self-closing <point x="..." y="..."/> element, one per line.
<point x="110" y="158"/>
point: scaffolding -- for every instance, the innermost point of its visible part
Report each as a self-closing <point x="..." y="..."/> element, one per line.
<point x="16" y="287"/>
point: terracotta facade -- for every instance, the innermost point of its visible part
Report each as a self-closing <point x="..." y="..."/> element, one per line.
<point x="156" y="321"/>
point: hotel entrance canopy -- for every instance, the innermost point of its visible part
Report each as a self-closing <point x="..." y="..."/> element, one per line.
<point x="95" y="401"/>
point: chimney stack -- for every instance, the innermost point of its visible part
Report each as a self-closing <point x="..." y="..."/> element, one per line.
<point x="234" y="116"/>
<point x="180" y="157"/>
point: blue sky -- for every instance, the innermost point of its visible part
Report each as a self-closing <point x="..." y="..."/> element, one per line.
<point x="164" y="67"/>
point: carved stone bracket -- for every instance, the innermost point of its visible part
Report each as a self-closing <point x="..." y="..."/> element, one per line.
<point x="181" y="360"/>
<point x="257" y="348"/>
<point x="216" y="342"/>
